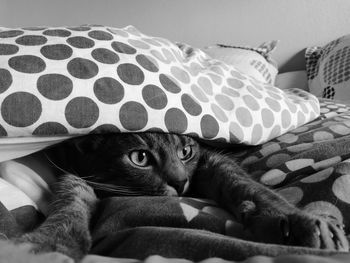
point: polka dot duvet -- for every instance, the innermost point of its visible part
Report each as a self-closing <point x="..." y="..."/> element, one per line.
<point x="310" y="165"/>
<point x="76" y="80"/>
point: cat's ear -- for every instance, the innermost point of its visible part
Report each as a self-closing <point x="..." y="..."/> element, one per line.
<point x="88" y="144"/>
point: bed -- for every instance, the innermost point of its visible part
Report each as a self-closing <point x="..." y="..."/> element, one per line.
<point x="290" y="130"/>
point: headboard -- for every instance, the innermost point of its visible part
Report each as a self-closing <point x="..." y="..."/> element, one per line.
<point x="297" y="24"/>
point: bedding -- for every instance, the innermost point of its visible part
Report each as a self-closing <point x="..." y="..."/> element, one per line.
<point x="77" y="80"/>
<point x="256" y="62"/>
<point x="291" y="79"/>
<point x="328" y="69"/>
<point x="15" y="147"/>
<point x="121" y="80"/>
<point x="309" y="166"/>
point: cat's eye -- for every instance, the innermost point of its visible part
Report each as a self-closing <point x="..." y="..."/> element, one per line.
<point x="185" y="153"/>
<point x="140" y="158"/>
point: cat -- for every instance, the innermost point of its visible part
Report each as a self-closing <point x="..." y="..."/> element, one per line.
<point x="172" y="165"/>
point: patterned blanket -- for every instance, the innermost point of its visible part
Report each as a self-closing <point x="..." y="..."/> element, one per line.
<point x="309" y="166"/>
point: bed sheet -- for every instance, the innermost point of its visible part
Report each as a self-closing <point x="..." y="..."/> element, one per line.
<point x="16" y="147"/>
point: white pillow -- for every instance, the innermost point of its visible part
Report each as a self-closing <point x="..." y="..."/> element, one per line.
<point x="253" y="61"/>
<point x="93" y="79"/>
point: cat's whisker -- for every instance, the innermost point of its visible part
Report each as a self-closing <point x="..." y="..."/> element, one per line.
<point x="88" y="177"/>
<point x="122" y="190"/>
<point x="110" y="187"/>
<point x="134" y="187"/>
<point x="60" y="168"/>
<point x="55" y="165"/>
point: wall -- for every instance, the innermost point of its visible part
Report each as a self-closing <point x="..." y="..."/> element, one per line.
<point x="296" y="23"/>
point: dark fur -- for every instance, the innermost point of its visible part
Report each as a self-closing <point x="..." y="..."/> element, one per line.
<point x="104" y="162"/>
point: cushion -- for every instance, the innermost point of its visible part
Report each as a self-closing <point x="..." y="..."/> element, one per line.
<point x="328" y="69"/>
<point x="292" y="79"/>
<point x="92" y="79"/>
<point x="256" y="62"/>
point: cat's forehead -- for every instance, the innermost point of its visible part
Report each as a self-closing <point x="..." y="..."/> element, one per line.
<point x="163" y="139"/>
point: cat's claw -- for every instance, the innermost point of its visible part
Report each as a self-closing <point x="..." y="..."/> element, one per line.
<point x="311" y="231"/>
<point x="285" y="228"/>
<point x="296" y="229"/>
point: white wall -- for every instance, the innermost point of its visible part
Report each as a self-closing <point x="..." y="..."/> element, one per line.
<point x="297" y="23"/>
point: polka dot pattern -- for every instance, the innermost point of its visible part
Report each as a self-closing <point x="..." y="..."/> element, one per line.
<point x="209" y="127"/>
<point x="8" y="49"/>
<point x="82" y="68"/>
<point x="21" y="109"/>
<point x="81" y="42"/>
<point x="57" y="33"/>
<point x="31" y="40"/>
<point x="224" y="102"/>
<point x="264" y="71"/>
<point x="81" y="112"/>
<point x="63" y="80"/>
<point x="100" y="35"/>
<point x="50" y="128"/>
<point x="219" y="113"/>
<point x="147" y="63"/>
<point x="190" y="105"/>
<point x="340" y="188"/>
<point x="105" y="128"/>
<point x="310" y="165"/>
<point x="169" y="84"/>
<point x="54" y="86"/>
<point x="328" y="69"/>
<point x="133" y="116"/>
<point x="108" y="90"/>
<point x="175" y="120"/>
<point x="292" y="194"/>
<point x="10" y="33"/>
<point x="252" y="61"/>
<point x="5" y="80"/>
<point x="130" y="74"/>
<point x="105" y="56"/>
<point x="121" y="47"/>
<point x="56" y="52"/>
<point x="27" y="64"/>
<point x="155" y="97"/>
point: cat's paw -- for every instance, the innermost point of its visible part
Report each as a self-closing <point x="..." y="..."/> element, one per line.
<point x="66" y="229"/>
<point x="296" y="228"/>
<point x="44" y="246"/>
<point x="313" y="231"/>
<point x="71" y="188"/>
<point x="11" y="251"/>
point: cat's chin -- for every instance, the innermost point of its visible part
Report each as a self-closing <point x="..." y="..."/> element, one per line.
<point x="170" y="191"/>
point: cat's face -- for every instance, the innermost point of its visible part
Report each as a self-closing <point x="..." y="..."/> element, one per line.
<point x="142" y="164"/>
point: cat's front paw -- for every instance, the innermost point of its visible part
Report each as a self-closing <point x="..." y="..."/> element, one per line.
<point x="44" y="245"/>
<point x="71" y="188"/>
<point x="296" y="228"/>
<point x="21" y="251"/>
<point x="314" y="231"/>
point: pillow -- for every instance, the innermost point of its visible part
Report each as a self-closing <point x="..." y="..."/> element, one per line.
<point x="292" y="79"/>
<point x="256" y="62"/>
<point x="93" y="79"/>
<point x="328" y="69"/>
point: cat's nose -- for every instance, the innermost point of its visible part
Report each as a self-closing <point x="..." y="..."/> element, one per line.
<point x="179" y="185"/>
